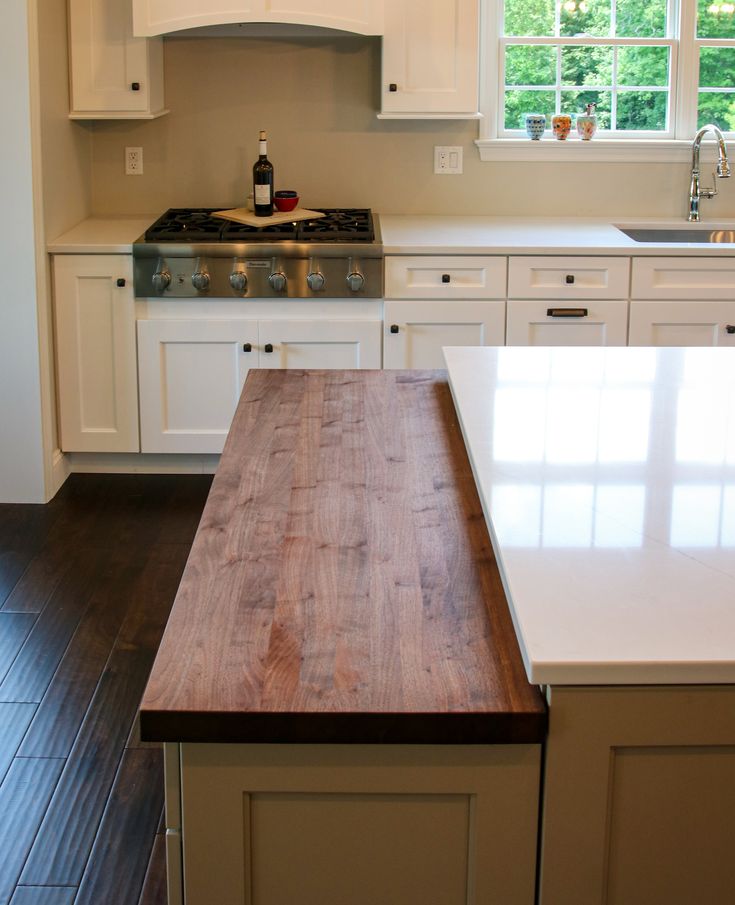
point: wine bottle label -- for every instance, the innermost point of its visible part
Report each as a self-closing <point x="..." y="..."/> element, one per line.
<point x="262" y="194"/>
<point x="263" y="148"/>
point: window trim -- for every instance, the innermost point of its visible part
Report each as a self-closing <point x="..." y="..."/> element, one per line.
<point x="639" y="148"/>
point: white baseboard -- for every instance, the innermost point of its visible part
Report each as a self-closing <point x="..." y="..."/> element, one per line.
<point x="60" y="471"/>
<point x="141" y="463"/>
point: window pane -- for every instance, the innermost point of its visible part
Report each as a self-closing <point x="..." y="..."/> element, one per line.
<point x="641" y="19"/>
<point x="586" y="66"/>
<point x="718" y="108"/>
<point x="643" y="66"/>
<point x="585" y="17"/>
<point x="642" y="110"/>
<point x="526" y="65"/>
<point x="717" y="67"/>
<point x="715" y="19"/>
<point x="575" y="101"/>
<point x="530" y="18"/>
<point x="518" y="103"/>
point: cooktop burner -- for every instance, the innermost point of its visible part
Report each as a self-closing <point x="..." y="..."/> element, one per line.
<point x="197" y="225"/>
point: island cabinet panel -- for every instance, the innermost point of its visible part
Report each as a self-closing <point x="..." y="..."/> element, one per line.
<point x="677" y="323"/>
<point x="582" y="323"/>
<point x="639" y="796"/>
<point x="276" y="825"/>
<point x="415" y="332"/>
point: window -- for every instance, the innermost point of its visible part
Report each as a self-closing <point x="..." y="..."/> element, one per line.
<point x="656" y="69"/>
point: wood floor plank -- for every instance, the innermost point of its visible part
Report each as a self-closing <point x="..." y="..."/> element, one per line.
<point x="23" y="530"/>
<point x="154" y="890"/>
<point x="24" y="795"/>
<point x="76" y="808"/>
<point x="31" y="673"/>
<point x="14" y="721"/>
<point x="119" y="861"/>
<point x="43" y="895"/>
<point x="14" y="629"/>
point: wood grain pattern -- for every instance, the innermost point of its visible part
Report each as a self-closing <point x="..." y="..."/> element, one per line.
<point x="14" y="629"/>
<point x="14" y="721"/>
<point x="342" y="585"/>
<point x="154" y="890"/>
<point x="43" y="895"/>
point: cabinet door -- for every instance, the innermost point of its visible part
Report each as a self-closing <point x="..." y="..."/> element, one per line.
<point x="95" y="351"/>
<point x="155" y="17"/>
<point x="112" y="71"/>
<point x="191" y="375"/>
<point x="320" y="344"/>
<point x="430" y="57"/>
<point x="415" y="332"/>
<point x="691" y="323"/>
<point x="561" y="324"/>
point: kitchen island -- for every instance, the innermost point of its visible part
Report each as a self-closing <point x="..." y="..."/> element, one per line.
<point x="340" y="690"/>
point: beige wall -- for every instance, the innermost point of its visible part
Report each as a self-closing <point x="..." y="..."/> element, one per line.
<point x="317" y="98"/>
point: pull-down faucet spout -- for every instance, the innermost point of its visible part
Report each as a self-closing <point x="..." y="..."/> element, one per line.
<point x="723" y="170"/>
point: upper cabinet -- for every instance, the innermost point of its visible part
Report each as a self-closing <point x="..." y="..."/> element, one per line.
<point x="157" y="17"/>
<point x="114" y="75"/>
<point x="430" y="59"/>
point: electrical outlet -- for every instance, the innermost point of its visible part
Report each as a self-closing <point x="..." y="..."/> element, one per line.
<point x="448" y="161"/>
<point x="133" y="161"/>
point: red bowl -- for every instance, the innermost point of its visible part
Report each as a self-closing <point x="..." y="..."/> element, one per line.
<point x="285" y="201"/>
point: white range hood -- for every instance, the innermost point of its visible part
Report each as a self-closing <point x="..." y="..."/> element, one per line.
<point x="159" y="17"/>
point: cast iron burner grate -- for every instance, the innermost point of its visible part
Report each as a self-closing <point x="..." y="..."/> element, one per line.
<point x="197" y="225"/>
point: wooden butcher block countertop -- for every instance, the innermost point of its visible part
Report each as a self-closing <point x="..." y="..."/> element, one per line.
<point x="342" y="586"/>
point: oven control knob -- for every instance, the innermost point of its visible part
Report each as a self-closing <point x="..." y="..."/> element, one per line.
<point x="238" y="281"/>
<point x="355" y="281"/>
<point x="200" y="280"/>
<point x="277" y="281"/>
<point x="161" y="279"/>
<point x="315" y="281"/>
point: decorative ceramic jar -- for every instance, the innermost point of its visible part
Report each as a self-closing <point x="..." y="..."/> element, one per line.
<point x="587" y="122"/>
<point x="535" y="125"/>
<point x="561" y="125"/>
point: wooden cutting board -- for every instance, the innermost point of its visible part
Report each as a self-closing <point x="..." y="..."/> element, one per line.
<point x="243" y="215"/>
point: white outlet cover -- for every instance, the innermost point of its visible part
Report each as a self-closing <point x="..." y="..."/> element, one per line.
<point x="133" y="161"/>
<point x="448" y="160"/>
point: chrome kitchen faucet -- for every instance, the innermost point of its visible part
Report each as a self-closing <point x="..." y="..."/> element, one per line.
<point x="723" y="170"/>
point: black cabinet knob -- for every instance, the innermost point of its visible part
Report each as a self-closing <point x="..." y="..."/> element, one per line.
<point x="569" y="278"/>
<point x="120" y="282"/>
<point x="268" y="347"/>
<point x="730" y="328"/>
<point x="392" y="87"/>
<point x="394" y="328"/>
<point x="247" y="347"/>
<point x="135" y="86"/>
<point x="446" y="278"/>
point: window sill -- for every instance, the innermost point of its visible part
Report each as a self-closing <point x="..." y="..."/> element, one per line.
<point x="599" y="150"/>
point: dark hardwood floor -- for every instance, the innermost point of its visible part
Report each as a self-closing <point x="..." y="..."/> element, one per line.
<point x="86" y="585"/>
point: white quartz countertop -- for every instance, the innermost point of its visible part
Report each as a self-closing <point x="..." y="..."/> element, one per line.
<point x="607" y="477"/>
<point x="409" y="234"/>
<point x="101" y="235"/>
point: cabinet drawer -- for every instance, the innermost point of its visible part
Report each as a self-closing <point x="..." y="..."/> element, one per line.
<point x="558" y="324"/>
<point x="568" y="278"/>
<point x="683" y="278"/>
<point x="445" y="277"/>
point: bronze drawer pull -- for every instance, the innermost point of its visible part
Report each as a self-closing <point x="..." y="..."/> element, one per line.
<point x="566" y="312"/>
<point x="569" y="278"/>
<point x="394" y="328"/>
<point x="730" y="328"/>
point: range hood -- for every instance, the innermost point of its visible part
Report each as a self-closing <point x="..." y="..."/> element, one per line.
<point x="257" y="17"/>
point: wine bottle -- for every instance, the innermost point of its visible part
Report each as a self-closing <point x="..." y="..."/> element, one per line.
<point x="263" y="181"/>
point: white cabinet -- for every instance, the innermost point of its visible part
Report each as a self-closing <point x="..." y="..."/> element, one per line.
<point x="532" y="323"/>
<point x="113" y="74"/>
<point x="156" y="17"/>
<point x="415" y="332"/>
<point x="675" y="323"/>
<point x="683" y="278"/>
<point x="192" y="370"/>
<point x="445" y="277"/>
<point x="95" y="352"/>
<point x="430" y="59"/>
<point x="568" y="278"/>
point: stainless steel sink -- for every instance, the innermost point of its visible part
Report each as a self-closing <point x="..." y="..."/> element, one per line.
<point x="683" y="234"/>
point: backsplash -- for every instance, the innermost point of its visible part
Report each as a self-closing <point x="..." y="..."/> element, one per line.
<point x="318" y="98"/>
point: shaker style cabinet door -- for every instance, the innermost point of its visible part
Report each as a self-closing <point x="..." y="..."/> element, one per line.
<point x="561" y="323"/>
<point x="113" y="74"/>
<point x="693" y="323"/>
<point x="416" y="332"/>
<point x="95" y="353"/>
<point x="319" y="344"/>
<point x="191" y="374"/>
<point x="156" y="17"/>
<point x="430" y="58"/>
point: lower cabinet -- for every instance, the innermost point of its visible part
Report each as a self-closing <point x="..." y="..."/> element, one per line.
<point x="192" y="371"/>
<point x="415" y="332"/>
<point x="581" y="323"/>
<point x="682" y="323"/>
<point x="97" y="382"/>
